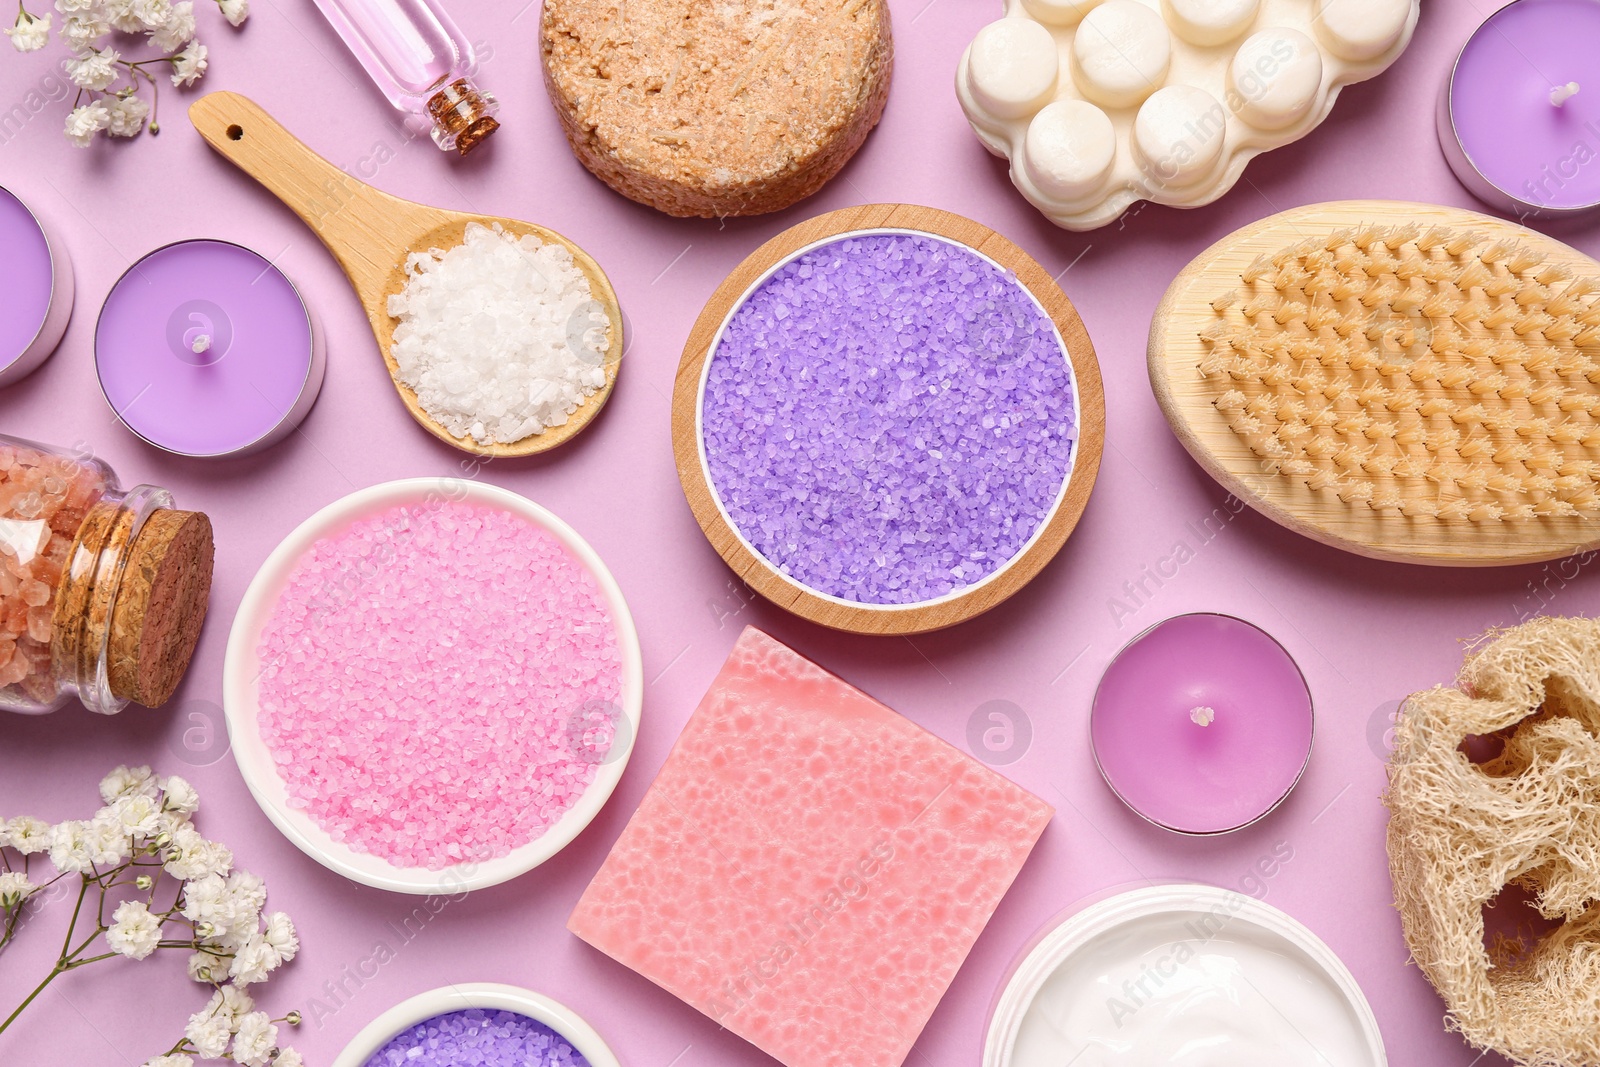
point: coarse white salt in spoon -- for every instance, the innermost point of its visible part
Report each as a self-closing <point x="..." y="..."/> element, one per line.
<point x="500" y="337"/>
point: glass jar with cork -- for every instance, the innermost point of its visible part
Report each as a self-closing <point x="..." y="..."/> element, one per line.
<point x="102" y="590"/>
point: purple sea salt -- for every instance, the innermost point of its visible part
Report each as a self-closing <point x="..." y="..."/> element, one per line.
<point x="478" y="1038"/>
<point x="889" y="418"/>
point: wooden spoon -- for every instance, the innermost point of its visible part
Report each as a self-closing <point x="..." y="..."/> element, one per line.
<point x="370" y="233"/>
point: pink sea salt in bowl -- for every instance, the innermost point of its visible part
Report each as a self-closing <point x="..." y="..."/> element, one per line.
<point x="486" y="997"/>
<point x="432" y="685"/>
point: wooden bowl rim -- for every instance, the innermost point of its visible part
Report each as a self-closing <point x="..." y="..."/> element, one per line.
<point x="898" y="619"/>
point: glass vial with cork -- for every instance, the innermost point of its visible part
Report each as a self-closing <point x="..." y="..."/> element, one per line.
<point x="103" y="590"/>
<point x="423" y="63"/>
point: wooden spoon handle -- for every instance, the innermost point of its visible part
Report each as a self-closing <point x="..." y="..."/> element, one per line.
<point x="353" y="219"/>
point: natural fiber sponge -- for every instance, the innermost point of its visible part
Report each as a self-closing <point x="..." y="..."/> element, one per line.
<point x="737" y="107"/>
<point x="1460" y="832"/>
<point x="809" y="869"/>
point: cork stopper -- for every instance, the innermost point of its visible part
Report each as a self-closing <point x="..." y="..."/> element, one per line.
<point x="67" y="633"/>
<point x="463" y="116"/>
<point x="160" y="606"/>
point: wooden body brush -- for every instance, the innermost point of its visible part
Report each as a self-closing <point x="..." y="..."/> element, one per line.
<point x="1405" y="381"/>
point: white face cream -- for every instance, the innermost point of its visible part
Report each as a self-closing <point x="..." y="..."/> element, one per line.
<point x="1182" y="976"/>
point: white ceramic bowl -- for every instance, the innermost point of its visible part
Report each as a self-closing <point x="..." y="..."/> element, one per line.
<point x="1172" y="914"/>
<point x="557" y="1016"/>
<point x="242" y="668"/>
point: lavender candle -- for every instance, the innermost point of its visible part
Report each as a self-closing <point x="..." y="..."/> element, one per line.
<point x="36" y="278"/>
<point x="204" y="348"/>
<point x="1520" y="116"/>
<point x="1202" y="724"/>
<point x="888" y="418"/>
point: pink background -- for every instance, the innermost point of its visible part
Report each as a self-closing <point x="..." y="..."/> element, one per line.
<point x="1365" y="633"/>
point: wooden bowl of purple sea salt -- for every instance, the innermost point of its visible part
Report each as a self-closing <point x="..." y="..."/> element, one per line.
<point x="888" y="419"/>
<point x="478" y="1025"/>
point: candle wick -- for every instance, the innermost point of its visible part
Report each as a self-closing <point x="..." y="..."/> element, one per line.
<point x="201" y="343"/>
<point x="1203" y="716"/>
<point x="1562" y="93"/>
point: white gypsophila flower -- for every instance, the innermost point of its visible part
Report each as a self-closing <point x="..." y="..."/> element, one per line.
<point x="280" y="934"/>
<point x="255" y="1039"/>
<point x="152" y="14"/>
<point x="189" y="65"/>
<point x="134" y="932"/>
<point x="202" y="898"/>
<point x="225" y="913"/>
<point x="28" y="835"/>
<point x="208" y="968"/>
<point x="215" y="911"/>
<point x="252" y="962"/>
<point x="128" y="782"/>
<point x="235" y="11"/>
<point x="249" y="890"/>
<point x="179" y="796"/>
<point x="5" y="833"/>
<point x="123" y="16"/>
<point x="83" y="32"/>
<point x="71" y="850"/>
<point x="169" y="823"/>
<point x="31" y="33"/>
<point x="190" y="856"/>
<point x="75" y="7"/>
<point x="175" y="1059"/>
<point x="233" y="1002"/>
<point x="86" y="121"/>
<point x="96" y="70"/>
<point x="178" y="30"/>
<point x="209" y="1033"/>
<point x="128" y="114"/>
<point x="139" y="816"/>
<point x="108" y="845"/>
<point x="288" y="1058"/>
<point x="14" y="889"/>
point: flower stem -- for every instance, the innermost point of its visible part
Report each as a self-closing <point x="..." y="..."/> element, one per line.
<point x="55" y="971"/>
<point x="66" y="943"/>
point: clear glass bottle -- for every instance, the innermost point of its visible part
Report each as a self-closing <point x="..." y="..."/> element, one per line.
<point x="102" y="590"/>
<point x="423" y="63"/>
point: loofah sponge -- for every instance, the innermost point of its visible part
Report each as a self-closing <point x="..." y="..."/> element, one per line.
<point x="1460" y="832"/>
<point x="809" y="869"/>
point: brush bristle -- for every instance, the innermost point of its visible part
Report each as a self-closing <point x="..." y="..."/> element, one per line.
<point x="1423" y="371"/>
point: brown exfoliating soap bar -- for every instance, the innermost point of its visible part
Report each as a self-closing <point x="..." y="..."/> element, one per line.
<point x="738" y="107"/>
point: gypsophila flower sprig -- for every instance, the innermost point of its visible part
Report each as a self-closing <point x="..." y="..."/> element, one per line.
<point x="146" y="881"/>
<point x="109" y="84"/>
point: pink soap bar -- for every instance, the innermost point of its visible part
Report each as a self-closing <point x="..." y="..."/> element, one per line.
<point x="809" y="868"/>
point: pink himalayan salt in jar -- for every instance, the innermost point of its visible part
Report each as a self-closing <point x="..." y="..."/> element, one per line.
<point x="102" y="591"/>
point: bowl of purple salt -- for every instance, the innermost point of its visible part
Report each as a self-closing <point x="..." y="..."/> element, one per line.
<point x="432" y="686"/>
<point x="888" y="428"/>
<point x="478" y="1025"/>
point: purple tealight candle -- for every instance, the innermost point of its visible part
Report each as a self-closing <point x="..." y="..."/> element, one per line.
<point x="1520" y="115"/>
<point x="36" y="280"/>
<point x="204" y="348"/>
<point x="1202" y="724"/>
